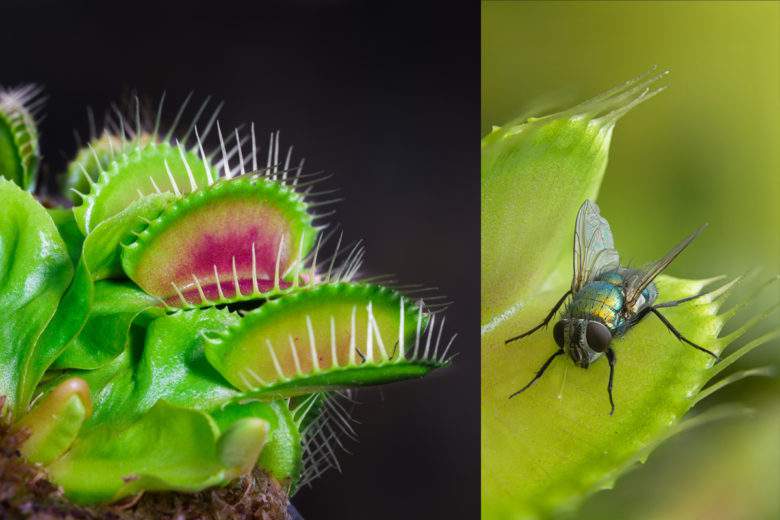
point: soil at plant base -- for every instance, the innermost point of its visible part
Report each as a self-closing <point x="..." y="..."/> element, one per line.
<point x="26" y="494"/>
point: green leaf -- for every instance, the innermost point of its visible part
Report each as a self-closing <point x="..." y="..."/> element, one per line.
<point x="734" y="460"/>
<point x="329" y="337"/>
<point x="168" y="448"/>
<point x="34" y="272"/>
<point x="163" y="362"/>
<point x="110" y="385"/>
<point x="64" y="326"/>
<point x="106" y="332"/>
<point x="55" y="421"/>
<point x="102" y="247"/>
<point x="282" y="454"/>
<point x="240" y="446"/>
<point x="69" y="231"/>
<point x="173" y="366"/>
<point x="535" y="175"/>
<point x="153" y="393"/>
<point x="19" y="153"/>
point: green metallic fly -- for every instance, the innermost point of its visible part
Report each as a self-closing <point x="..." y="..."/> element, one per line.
<point x="606" y="299"/>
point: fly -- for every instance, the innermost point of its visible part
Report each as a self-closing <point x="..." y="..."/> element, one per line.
<point x="606" y="298"/>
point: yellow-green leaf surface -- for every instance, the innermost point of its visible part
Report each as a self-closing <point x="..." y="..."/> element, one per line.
<point x="551" y="446"/>
<point x="535" y="174"/>
<point x="547" y="449"/>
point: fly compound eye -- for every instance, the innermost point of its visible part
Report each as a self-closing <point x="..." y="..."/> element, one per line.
<point x="558" y="333"/>
<point x="598" y="336"/>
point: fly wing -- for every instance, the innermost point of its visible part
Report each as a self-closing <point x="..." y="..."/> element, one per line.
<point x="594" y="249"/>
<point x="637" y="283"/>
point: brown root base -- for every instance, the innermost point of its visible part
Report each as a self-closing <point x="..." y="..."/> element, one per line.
<point x="26" y="494"/>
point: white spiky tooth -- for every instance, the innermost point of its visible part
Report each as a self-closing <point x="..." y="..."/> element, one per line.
<point x="137" y="118"/>
<point x="312" y="346"/>
<point x="255" y="287"/>
<point x="287" y="164"/>
<point x="443" y="357"/>
<point x="199" y="287"/>
<point x="275" y="361"/>
<point x="270" y="153"/>
<point x="352" y="344"/>
<point x="438" y="336"/>
<point x="417" y="334"/>
<point x="219" y="284"/>
<point x="369" y="334"/>
<point x="377" y="335"/>
<point x="236" y="284"/>
<point x="334" y="356"/>
<point x="431" y="326"/>
<point x="401" y="332"/>
<point x="171" y="178"/>
<point x="154" y="185"/>
<point x="277" y="281"/>
<point x="296" y="359"/>
<point x="190" y="176"/>
<point x="254" y="148"/>
<point x="86" y="175"/>
<point x="212" y="120"/>
<point x="224" y="161"/>
<point x="333" y="258"/>
<point x="240" y="153"/>
<point x="180" y="295"/>
<point x="260" y="381"/>
<point x="209" y="178"/>
<point x="276" y="155"/>
<point x="245" y="381"/>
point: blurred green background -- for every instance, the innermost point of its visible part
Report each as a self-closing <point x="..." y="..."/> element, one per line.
<point x="705" y="150"/>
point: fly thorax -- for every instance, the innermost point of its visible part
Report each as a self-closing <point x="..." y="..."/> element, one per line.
<point x="647" y="298"/>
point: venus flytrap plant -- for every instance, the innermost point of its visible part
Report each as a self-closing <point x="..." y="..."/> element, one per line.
<point x="19" y="153"/>
<point x="549" y="448"/>
<point x="136" y="371"/>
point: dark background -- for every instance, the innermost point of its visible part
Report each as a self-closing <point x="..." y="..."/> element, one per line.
<point x="387" y="100"/>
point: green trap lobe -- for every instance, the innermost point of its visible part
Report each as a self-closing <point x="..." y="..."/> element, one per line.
<point x="151" y="169"/>
<point x="236" y="239"/>
<point x="96" y="157"/>
<point x="332" y="336"/>
<point x="19" y="153"/>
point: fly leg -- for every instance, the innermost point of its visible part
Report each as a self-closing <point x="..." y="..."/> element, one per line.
<point x="539" y="372"/>
<point x="677" y="334"/>
<point x="675" y="303"/>
<point x="546" y="320"/>
<point x="612" y="360"/>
